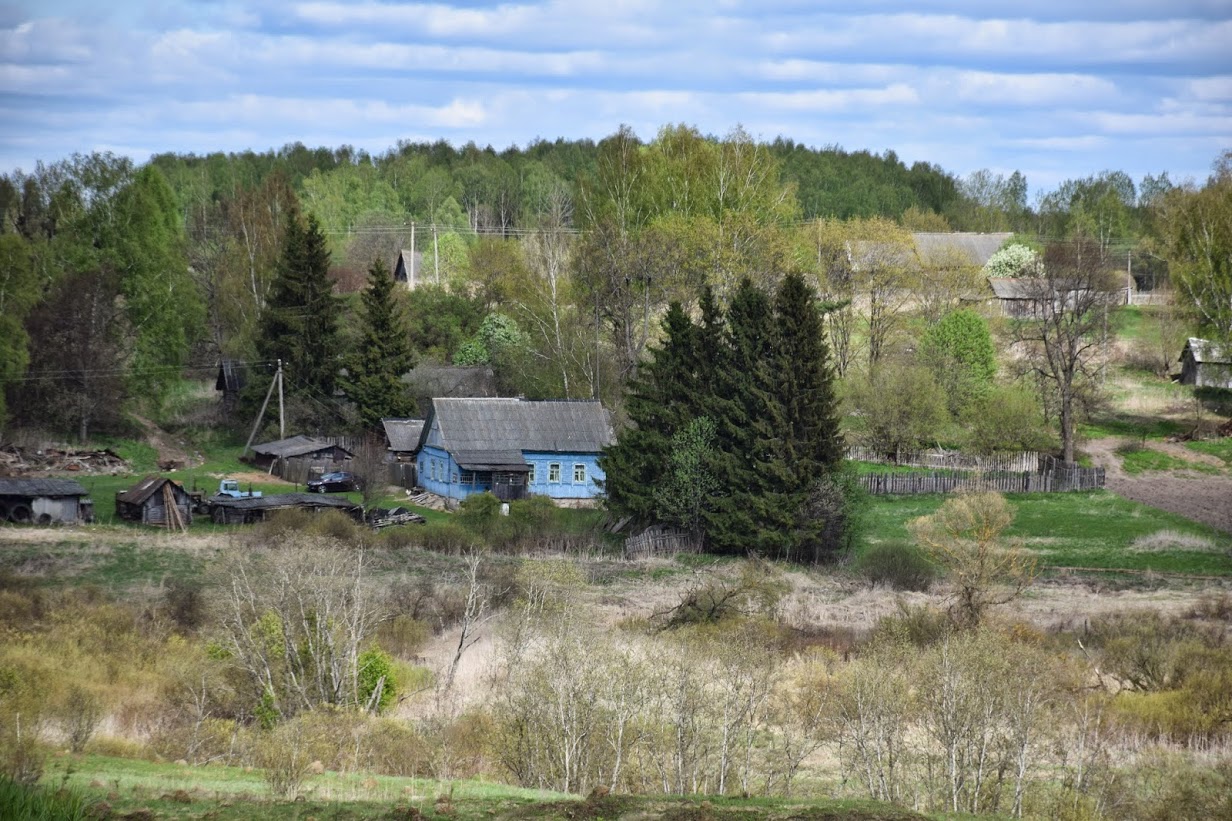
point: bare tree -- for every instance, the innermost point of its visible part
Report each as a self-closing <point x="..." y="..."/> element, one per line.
<point x="1065" y="336"/>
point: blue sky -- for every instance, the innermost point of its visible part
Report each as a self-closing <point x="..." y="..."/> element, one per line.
<point x="1054" y="89"/>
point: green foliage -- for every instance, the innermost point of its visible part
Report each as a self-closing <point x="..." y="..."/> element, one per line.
<point x="688" y="483"/>
<point x="498" y="340"/>
<point x="19" y="292"/>
<point x="960" y="352"/>
<point x="32" y="803"/>
<point x="1014" y="260"/>
<point x="299" y="324"/>
<point x="383" y="355"/>
<point x="440" y="321"/>
<point x="899" y="407"/>
<point x="378" y="686"/>
<point x="1005" y="420"/>
<point x="898" y="565"/>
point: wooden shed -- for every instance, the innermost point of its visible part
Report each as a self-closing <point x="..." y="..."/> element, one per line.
<point x="156" y="500"/>
<point x="296" y="447"/>
<point x="1205" y="364"/>
<point x="256" y="509"/>
<point x="44" y="501"/>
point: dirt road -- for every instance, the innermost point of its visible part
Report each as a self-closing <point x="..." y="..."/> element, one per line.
<point x="1201" y="497"/>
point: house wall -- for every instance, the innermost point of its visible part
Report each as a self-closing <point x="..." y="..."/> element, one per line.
<point x="437" y="469"/>
<point x="566" y="487"/>
<point x="59" y="509"/>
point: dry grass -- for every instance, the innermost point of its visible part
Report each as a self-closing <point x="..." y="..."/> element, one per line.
<point x="1165" y="540"/>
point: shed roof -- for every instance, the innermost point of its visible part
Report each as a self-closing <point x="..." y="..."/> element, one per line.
<point x="147" y="487"/>
<point x="498" y="431"/>
<point x="1205" y="351"/>
<point x="1014" y="287"/>
<point x="281" y="500"/>
<point x="403" y="434"/>
<point x="299" y="445"/>
<point x="41" y="487"/>
<point x="977" y="248"/>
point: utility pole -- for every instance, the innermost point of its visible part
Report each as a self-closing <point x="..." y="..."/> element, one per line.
<point x="436" y="256"/>
<point x="282" y="414"/>
<point x="410" y="275"/>
<point x="277" y="380"/>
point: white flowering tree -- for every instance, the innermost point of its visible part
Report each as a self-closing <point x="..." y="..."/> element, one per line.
<point x="1014" y="261"/>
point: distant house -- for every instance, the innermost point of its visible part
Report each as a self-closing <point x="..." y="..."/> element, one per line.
<point x="1016" y="297"/>
<point x="964" y="247"/>
<point x="408" y="268"/>
<point x="155" y="500"/>
<point x="1205" y="364"/>
<point x="513" y="448"/>
<point x="268" y="454"/>
<point x="402" y="436"/>
<point x="232" y="376"/>
<point x="44" y="501"/>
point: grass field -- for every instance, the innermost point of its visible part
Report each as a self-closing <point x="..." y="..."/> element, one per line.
<point x="131" y="788"/>
<point x="1093" y="529"/>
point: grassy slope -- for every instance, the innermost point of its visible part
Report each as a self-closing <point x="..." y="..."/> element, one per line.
<point x="226" y="793"/>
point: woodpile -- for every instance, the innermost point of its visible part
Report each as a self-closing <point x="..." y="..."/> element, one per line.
<point x="18" y="461"/>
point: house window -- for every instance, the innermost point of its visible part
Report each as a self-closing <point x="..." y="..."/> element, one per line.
<point x="530" y="475"/>
<point x="468" y="477"/>
<point x="554" y="472"/>
<point x="579" y="474"/>
<point x="455" y="477"/>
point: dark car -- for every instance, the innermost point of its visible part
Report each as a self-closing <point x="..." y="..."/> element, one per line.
<point x="339" y="482"/>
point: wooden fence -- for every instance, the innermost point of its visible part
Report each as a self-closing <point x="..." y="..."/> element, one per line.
<point x="1057" y="480"/>
<point x="300" y="469"/>
<point x="660" y="541"/>
<point x="1024" y="461"/>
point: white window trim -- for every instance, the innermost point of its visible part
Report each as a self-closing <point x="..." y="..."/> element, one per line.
<point x="579" y="466"/>
<point x="554" y="469"/>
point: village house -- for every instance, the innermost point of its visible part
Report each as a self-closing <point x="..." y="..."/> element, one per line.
<point x="1205" y="364"/>
<point x="402" y="438"/>
<point x="267" y="455"/>
<point x="513" y="448"/>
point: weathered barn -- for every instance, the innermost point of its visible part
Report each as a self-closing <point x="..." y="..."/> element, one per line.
<point x="250" y="510"/>
<point x="402" y="437"/>
<point x="1016" y="297"/>
<point x="298" y="447"/>
<point x="156" y="500"/>
<point x="1205" y="364"/>
<point x="44" y="501"/>
<point x="514" y="447"/>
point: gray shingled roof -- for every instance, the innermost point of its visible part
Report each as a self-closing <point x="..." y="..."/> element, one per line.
<point x="1014" y="287"/>
<point x="143" y="490"/>
<point x="498" y="431"/>
<point x="403" y="434"/>
<point x="41" y="487"/>
<point x="1205" y="351"/>
<point x="282" y="500"/>
<point x="293" y="446"/>
<point x="977" y="248"/>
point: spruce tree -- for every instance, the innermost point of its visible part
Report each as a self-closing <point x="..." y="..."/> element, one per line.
<point x="373" y="380"/>
<point x="299" y="324"/>
<point x="659" y="402"/>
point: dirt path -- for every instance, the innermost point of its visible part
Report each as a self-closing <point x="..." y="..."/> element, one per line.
<point x="171" y="454"/>
<point x="1201" y="497"/>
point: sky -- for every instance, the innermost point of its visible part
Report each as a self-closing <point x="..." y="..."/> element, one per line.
<point x="1056" y="90"/>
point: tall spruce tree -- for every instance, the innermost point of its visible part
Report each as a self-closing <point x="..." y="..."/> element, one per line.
<point x="660" y="402"/>
<point x="299" y="324"/>
<point x="373" y="380"/>
<point x="750" y="464"/>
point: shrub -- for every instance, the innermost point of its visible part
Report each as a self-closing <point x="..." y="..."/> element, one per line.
<point x="1008" y="419"/>
<point x="337" y="525"/>
<point x="919" y="626"/>
<point x="31" y="803"/>
<point x="446" y="537"/>
<point x="898" y="565"/>
<point x="378" y="686"/>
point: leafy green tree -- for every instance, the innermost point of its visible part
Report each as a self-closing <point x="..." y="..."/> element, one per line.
<point x="899" y="407"/>
<point x="688" y="483"/>
<point x="374" y="370"/>
<point x="300" y="322"/>
<point x="1198" y="237"/>
<point x="960" y="352"/>
<point x="19" y="292"/>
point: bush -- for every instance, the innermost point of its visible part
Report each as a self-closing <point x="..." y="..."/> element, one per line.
<point x="31" y="803"/>
<point x="378" y="686"/>
<point x="920" y="626"/>
<point x="1008" y="419"/>
<point x="898" y="565"/>
<point x="446" y="537"/>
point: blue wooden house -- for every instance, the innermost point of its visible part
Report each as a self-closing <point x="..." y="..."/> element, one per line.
<point x="513" y="448"/>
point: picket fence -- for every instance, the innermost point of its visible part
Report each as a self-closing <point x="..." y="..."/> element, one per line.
<point x="1052" y="480"/>
<point x="660" y="541"/>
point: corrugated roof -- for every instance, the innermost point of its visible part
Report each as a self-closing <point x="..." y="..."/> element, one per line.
<point x="284" y="500"/>
<point x="1206" y="352"/>
<point x="503" y="426"/>
<point x="41" y="487"/>
<point x="292" y="446"/>
<point x="977" y="248"/>
<point x="403" y="434"/>
<point x="143" y="490"/>
<point x="1014" y="287"/>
